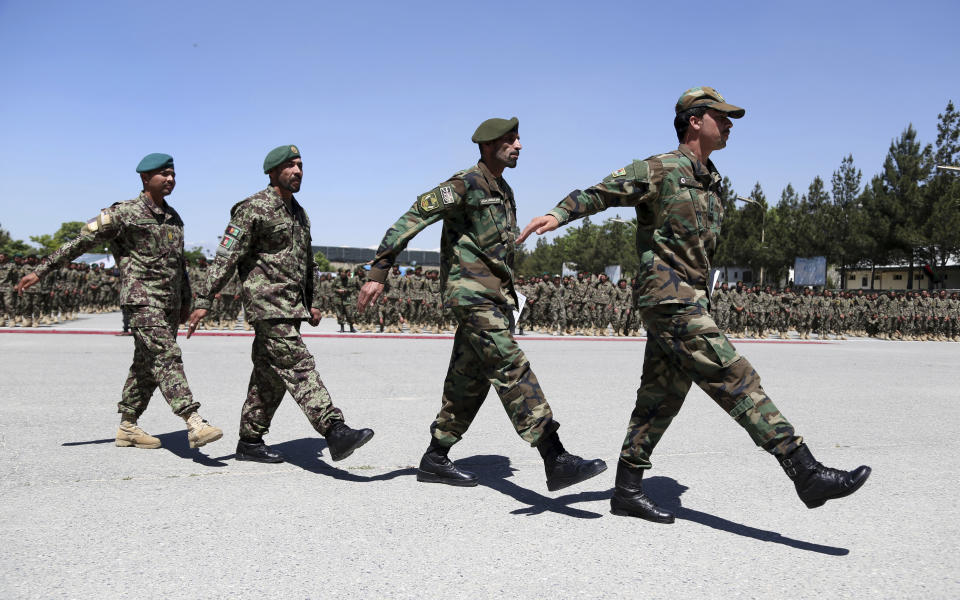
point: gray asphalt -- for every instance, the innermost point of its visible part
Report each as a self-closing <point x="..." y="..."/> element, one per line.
<point x="80" y="518"/>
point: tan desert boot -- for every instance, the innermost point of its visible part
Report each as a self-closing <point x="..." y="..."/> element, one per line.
<point x="199" y="432"/>
<point x="131" y="434"/>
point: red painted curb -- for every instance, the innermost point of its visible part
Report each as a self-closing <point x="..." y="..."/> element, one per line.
<point x="401" y="336"/>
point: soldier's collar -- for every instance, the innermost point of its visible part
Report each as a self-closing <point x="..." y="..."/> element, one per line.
<point x="700" y="170"/>
<point x="492" y="181"/>
<point x="148" y="202"/>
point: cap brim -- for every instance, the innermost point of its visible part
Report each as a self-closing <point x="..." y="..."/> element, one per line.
<point x="734" y="112"/>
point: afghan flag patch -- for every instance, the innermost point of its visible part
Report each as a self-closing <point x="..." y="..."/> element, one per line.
<point x="227" y="242"/>
<point x="233" y="231"/>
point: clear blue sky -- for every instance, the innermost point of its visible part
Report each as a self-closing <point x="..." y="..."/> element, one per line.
<point x="382" y="97"/>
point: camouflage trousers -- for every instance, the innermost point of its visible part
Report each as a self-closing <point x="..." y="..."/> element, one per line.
<point x="685" y="346"/>
<point x="282" y="363"/>
<point x="346" y="312"/>
<point x="157" y="362"/>
<point x="485" y="353"/>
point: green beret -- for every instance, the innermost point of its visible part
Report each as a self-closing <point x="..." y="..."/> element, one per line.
<point x="278" y="156"/>
<point x="154" y="162"/>
<point x="492" y="129"/>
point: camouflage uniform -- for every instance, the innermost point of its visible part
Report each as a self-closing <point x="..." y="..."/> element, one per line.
<point x="679" y="212"/>
<point x="9" y="276"/>
<point x="267" y="243"/>
<point x="147" y="243"/>
<point x="622" y="301"/>
<point x="476" y="273"/>
<point x="720" y="307"/>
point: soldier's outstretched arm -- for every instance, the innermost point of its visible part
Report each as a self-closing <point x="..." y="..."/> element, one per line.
<point x="97" y="231"/>
<point x="427" y="210"/>
<point x="541" y="225"/>
<point x="234" y="244"/>
<point x="629" y="186"/>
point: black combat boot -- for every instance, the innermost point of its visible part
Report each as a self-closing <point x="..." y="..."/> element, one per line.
<point x="630" y="501"/>
<point x="341" y="328"/>
<point x="564" y="469"/>
<point x="816" y="483"/>
<point x="352" y="330"/>
<point x="255" y="450"/>
<point x="342" y="441"/>
<point x="436" y="467"/>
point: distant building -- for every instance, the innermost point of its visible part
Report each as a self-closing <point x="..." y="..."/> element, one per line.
<point x="896" y="278"/>
<point x="349" y="257"/>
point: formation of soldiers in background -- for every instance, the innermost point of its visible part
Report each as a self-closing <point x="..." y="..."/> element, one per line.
<point x="584" y="304"/>
<point x="60" y="296"/>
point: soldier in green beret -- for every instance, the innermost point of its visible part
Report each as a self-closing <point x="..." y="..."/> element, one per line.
<point x="477" y="246"/>
<point x="268" y="244"/>
<point x="677" y="196"/>
<point x="146" y="235"/>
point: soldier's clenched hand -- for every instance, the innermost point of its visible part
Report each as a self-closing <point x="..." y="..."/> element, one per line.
<point x="539" y="224"/>
<point x="370" y="291"/>
<point x="195" y="318"/>
<point x="315" y="315"/>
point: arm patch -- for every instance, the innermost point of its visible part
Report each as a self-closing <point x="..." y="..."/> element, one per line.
<point x="429" y="203"/>
<point x="103" y="221"/>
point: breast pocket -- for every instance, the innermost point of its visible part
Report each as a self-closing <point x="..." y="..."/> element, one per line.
<point x="276" y="236"/>
<point x="490" y="222"/>
<point x="681" y="214"/>
<point x="145" y="236"/>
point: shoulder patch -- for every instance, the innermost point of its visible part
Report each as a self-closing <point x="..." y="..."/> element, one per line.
<point x="233" y="231"/>
<point x="428" y="202"/>
<point x="446" y="194"/>
<point x="619" y="173"/>
<point x="101" y="221"/>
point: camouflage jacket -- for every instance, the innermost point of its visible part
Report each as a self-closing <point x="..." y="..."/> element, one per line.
<point x="268" y="243"/>
<point x="679" y="213"/>
<point x="9" y="272"/>
<point x="147" y="243"/>
<point x="478" y="242"/>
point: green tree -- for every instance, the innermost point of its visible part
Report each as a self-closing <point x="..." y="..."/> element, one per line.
<point x="10" y="246"/>
<point x="194" y="254"/>
<point x="941" y="195"/>
<point x="847" y="224"/>
<point x="905" y="169"/>
<point x="68" y="231"/>
<point x="323" y="264"/>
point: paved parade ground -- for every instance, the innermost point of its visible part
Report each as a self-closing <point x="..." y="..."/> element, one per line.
<point x="81" y="518"/>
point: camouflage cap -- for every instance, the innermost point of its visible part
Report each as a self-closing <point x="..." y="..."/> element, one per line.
<point x="278" y="156"/>
<point x="155" y="161"/>
<point x="492" y="129"/>
<point x="709" y="97"/>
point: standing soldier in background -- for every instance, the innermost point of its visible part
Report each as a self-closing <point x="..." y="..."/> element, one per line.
<point x="392" y="319"/>
<point x="738" y="314"/>
<point x="268" y="243"/>
<point x="230" y="302"/>
<point x="8" y="278"/>
<point x="146" y="237"/>
<point x="345" y="311"/>
<point x="721" y="306"/>
<point x="679" y="211"/>
<point x="604" y="301"/>
<point x="477" y="248"/>
<point x="31" y="298"/>
<point x="622" y="300"/>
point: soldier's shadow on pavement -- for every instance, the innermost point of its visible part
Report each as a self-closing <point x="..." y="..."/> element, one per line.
<point x="308" y="454"/>
<point x="666" y="492"/>
<point x="174" y="442"/>
<point x="494" y="472"/>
